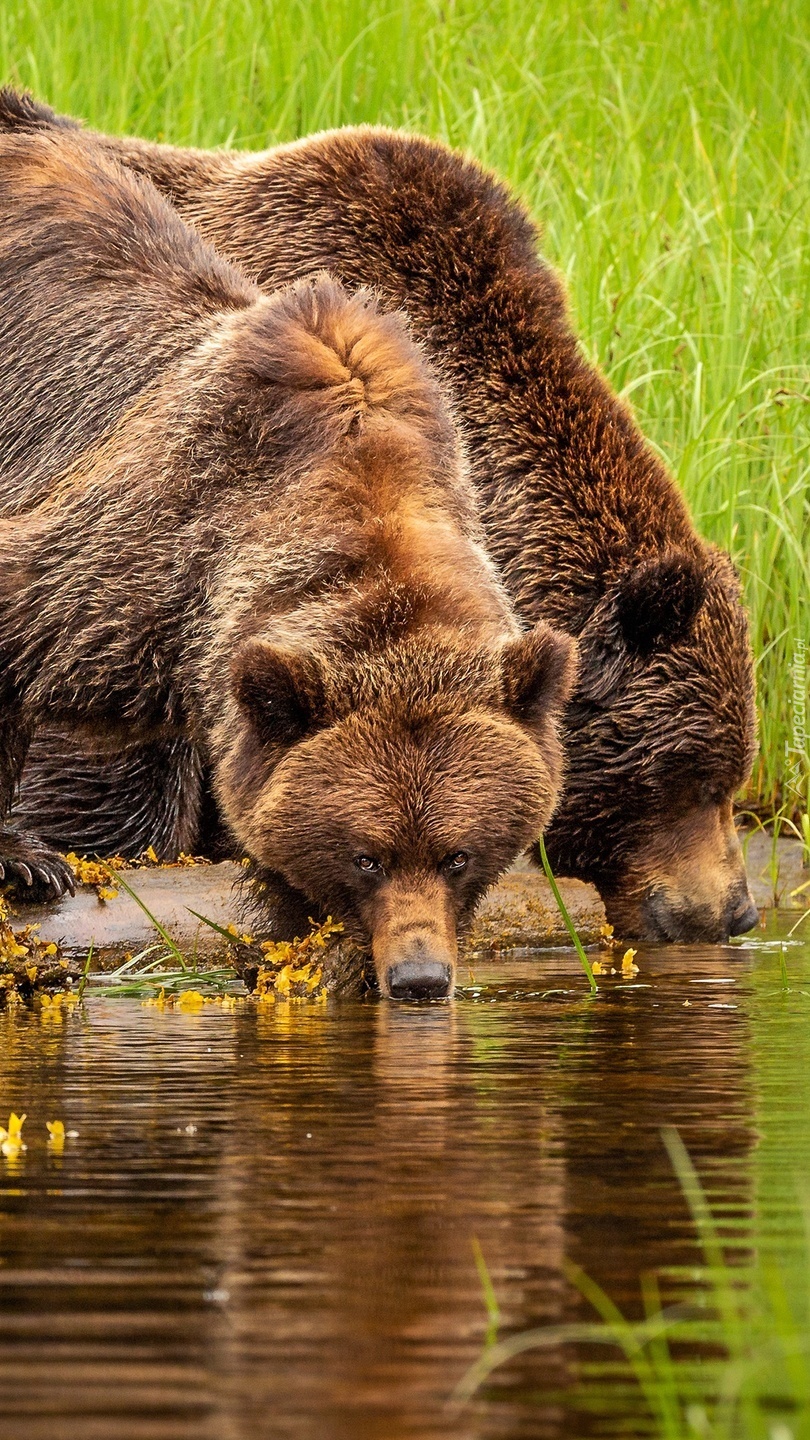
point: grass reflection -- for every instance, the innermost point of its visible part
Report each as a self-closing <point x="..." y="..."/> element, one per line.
<point x="733" y="1363"/>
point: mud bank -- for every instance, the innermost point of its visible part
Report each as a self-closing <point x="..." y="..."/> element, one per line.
<point x="517" y="913"/>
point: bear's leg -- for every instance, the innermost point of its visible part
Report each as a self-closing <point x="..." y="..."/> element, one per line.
<point x="37" y="872"/>
<point x="106" y="803"/>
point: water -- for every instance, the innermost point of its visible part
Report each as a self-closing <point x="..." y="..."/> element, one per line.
<point x="265" y="1225"/>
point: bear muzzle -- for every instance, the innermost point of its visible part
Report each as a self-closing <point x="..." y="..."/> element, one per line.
<point x="413" y="927"/>
<point x="742" y="915"/>
<point x="422" y="979"/>
<point x="687" y="885"/>
<point x="676" y="919"/>
<point x="415" y="960"/>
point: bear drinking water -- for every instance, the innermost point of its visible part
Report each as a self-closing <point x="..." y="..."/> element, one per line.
<point x="579" y="512"/>
<point x="244" y="521"/>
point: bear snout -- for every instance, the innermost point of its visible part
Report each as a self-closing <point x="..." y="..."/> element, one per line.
<point x="421" y="979"/>
<point x="414" y="938"/>
<point x="687" y="884"/>
<point x="416" y="961"/>
<point x="742" y="915"/>
<point x="676" y="918"/>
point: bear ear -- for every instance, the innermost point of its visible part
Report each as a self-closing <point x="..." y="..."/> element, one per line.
<point x="538" y="670"/>
<point x="280" y="692"/>
<point x="658" y="601"/>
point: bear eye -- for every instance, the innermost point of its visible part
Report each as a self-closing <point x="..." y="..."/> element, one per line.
<point x="367" y="865"/>
<point x="455" y="863"/>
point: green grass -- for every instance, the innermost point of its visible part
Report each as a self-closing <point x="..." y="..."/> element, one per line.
<point x="732" y="1363"/>
<point x="150" y="972"/>
<point x="566" y="918"/>
<point x="665" y="148"/>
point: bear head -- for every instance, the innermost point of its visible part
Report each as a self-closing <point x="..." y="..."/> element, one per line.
<point x="391" y="790"/>
<point x="664" y="721"/>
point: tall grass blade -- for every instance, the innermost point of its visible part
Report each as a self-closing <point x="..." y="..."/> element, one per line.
<point x="567" y="921"/>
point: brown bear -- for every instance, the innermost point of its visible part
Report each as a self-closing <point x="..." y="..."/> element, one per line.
<point x="244" y="520"/>
<point x="580" y="513"/>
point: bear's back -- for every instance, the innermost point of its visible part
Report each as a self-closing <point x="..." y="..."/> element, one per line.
<point x="103" y="287"/>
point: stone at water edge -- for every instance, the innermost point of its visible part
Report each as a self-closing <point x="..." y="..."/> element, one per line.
<point x="519" y="911"/>
<point x="516" y="913"/>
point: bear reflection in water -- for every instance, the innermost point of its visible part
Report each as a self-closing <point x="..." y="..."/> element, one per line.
<point x="344" y="1161"/>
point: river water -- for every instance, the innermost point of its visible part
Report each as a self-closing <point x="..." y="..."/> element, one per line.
<point x="267" y="1222"/>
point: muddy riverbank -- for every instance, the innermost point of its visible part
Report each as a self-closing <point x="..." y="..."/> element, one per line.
<point x="518" y="913"/>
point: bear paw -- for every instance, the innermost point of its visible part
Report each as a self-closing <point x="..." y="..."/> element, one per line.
<point x="35" y="872"/>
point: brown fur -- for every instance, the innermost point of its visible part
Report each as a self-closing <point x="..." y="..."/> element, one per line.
<point x="244" y="521"/>
<point x="579" y="512"/>
<point x="695" y="857"/>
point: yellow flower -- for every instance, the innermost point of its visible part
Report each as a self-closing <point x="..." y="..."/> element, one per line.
<point x="56" y="1134"/>
<point x="290" y="967"/>
<point x="276" y="950"/>
<point x="92" y="872"/>
<point x="283" y="979"/>
<point x="191" y="1001"/>
<point x="597" y="968"/>
<point x="298" y="977"/>
<point x="60" y="1001"/>
<point x="11" y="948"/>
<point x="628" y="968"/>
<point x="51" y="950"/>
<point x="11" y="1141"/>
<point x="149" y="854"/>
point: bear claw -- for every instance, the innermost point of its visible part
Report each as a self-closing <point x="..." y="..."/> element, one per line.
<point x="39" y="873"/>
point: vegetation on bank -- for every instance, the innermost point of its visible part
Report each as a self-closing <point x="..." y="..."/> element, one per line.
<point x="665" y="149"/>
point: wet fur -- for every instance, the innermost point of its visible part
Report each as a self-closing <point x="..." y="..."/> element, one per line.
<point x="579" y="512"/>
<point x="239" y="528"/>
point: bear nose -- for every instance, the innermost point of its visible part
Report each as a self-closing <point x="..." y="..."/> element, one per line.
<point x="744" y="917"/>
<point x="419" y="979"/>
